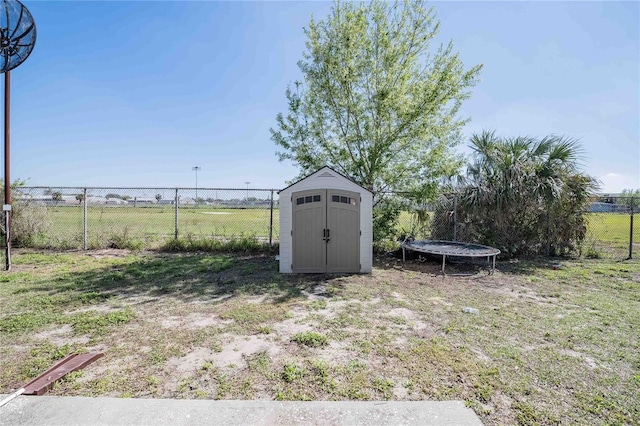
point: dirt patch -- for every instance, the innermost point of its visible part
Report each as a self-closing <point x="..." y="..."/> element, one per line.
<point x="190" y="362"/>
<point x="235" y="349"/>
<point x="94" y="308"/>
<point x="61" y="335"/>
<point x="590" y="362"/>
<point x="192" y="321"/>
<point x="107" y="253"/>
<point x="293" y="325"/>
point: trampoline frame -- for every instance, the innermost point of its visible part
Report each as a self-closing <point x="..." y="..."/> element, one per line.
<point x="494" y="252"/>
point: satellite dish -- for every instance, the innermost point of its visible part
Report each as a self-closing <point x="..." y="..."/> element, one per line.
<point x="17" y="34"/>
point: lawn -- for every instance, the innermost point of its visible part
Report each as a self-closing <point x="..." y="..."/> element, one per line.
<point x="612" y="230"/>
<point x="549" y="345"/>
<point x="155" y="224"/>
<point x="151" y="226"/>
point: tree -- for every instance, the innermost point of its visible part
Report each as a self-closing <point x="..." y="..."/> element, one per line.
<point x="377" y="103"/>
<point x="524" y="195"/>
<point x="56" y="197"/>
<point x="630" y="198"/>
<point x="158" y="197"/>
<point x="80" y="197"/>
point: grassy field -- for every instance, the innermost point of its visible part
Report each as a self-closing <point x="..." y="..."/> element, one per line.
<point x="150" y="226"/>
<point x="156" y="224"/>
<point x="612" y="228"/>
<point x="549" y="346"/>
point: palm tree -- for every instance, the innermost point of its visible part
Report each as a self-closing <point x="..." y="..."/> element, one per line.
<point x="515" y="187"/>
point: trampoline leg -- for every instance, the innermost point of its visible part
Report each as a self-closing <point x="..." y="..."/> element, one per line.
<point x="444" y="257"/>
<point x="494" y="265"/>
<point x="403" y="254"/>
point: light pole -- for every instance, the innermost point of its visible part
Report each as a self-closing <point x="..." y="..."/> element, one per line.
<point x="195" y="169"/>
<point x="247" y="183"/>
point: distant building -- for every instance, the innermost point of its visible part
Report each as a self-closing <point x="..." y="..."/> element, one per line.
<point x="600" y="207"/>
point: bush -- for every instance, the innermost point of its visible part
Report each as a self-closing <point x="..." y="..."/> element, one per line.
<point x="30" y="220"/>
<point x="385" y="220"/>
<point x="522" y="195"/>
<point x="243" y="244"/>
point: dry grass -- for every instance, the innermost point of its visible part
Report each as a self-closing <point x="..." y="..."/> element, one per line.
<point x="548" y="346"/>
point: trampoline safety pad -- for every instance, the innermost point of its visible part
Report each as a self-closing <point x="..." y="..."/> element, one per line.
<point x="451" y="248"/>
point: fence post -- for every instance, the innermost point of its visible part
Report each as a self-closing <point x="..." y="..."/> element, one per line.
<point x="84" y="219"/>
<point x="176" y="204"/>
<point x="455" y="217"/>
<point x="271" y="221"/>
<point x="631" y="231"/>
<point x="548" y="230"/>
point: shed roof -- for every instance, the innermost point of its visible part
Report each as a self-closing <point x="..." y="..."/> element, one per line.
<point x="319" y="170"/>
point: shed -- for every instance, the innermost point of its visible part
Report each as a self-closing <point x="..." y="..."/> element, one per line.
<point x="326" y="225"/>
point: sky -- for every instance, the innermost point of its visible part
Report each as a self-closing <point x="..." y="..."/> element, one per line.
<point x="135" y="94"/>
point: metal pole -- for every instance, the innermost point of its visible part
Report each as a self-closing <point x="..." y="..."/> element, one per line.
<point x="631" y="231"/>
<point x="176" y="204"/>
<point x="196" y="168"/>
<point x="455" y="219"/>
<point x="7" y="174"/>
<point x="84" y="218"/>
<point x="271" y="221"/>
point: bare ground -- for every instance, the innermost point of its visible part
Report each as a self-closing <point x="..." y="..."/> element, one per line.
<point x="548" y="346"/>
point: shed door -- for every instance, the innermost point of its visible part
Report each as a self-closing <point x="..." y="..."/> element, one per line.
<point x="343" y="224"/>
<point x="326" y="231"/>
<point x="309" y="224"/>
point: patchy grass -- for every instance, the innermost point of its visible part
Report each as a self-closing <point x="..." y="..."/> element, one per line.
<point x="548" y="345"/>
<point x="311" y="339"/>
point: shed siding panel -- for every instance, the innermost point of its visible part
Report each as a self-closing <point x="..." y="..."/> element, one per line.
<point x="286" y="255"/>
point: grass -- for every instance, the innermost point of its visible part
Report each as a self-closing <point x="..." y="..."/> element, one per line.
<point x="210" y="229"/>
<point x="548" y="345"/>
<point x="311" y="339"/>
<point x="151" y="226"/>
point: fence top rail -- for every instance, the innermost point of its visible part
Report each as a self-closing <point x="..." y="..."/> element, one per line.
<point x="148" y="188"/>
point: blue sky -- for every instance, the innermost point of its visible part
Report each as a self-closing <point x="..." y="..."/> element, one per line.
<point x="137" y="93"/>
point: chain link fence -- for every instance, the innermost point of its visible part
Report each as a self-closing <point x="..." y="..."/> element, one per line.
<point x="74" y="217"/>
<point x="77" y="217"/>
<point x="610" y="232"/>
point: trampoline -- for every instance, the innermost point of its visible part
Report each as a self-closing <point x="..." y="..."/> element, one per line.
<point x="452" y="248"/>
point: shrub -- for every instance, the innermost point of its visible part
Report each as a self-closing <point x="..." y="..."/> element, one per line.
<point x="242" y="244"/>
<point x="30" y="220"/>
<point x="522" y="195"/>
<point x="385" y="220"/>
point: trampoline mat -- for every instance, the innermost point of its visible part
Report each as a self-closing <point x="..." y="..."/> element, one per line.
<point x="451" y="248"/>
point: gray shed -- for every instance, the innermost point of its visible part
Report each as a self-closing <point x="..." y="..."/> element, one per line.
<point x="326" y="225"/>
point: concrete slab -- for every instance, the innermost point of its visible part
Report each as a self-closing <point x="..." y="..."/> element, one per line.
<point x="51" y="410"/>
